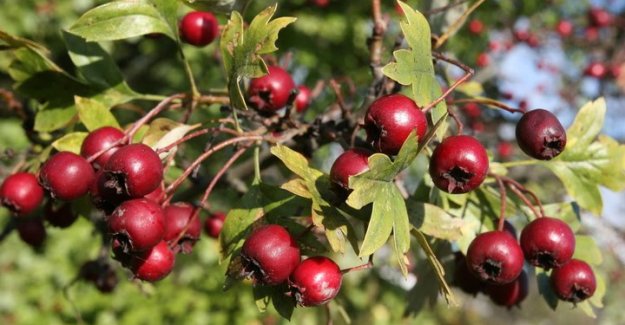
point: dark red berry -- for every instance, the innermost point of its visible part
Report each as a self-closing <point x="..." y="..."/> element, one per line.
<point x="351" y="162"/>
<point x="198" y="28"/>
<point x="103" y="197"/>
<point x="303" y="98"/>
<point x="574" y="281"/>
<point x="101" y="274"/>
<point x="67" y="176"/>
<point x="182" y="226"/>
<point x="32" y="231"/>
<point x="547" y="242"/>
<point x="60" y="215"/>
<point x="565" y="28"/>
<point x="271" y="92"/>
<point x="134" y="170"/>
<point x="463" y="278"/>
<point x="390" y="119"/>
<point x="269" y="255"/>
<point x="472" y="110"/>
<point x="540" y="135"/>
<point x="21" y="193"/>
<point x="476" y="26"/>
<point x="157" y="195"/>
<point x="214" y="223"/>
<point x="315" y="281"/>
<point x="599" y="17"/>
<point x="154" y="264"/>
<point x="459" y="164"/>
<point x="98" y="140"/>
<point x="483" y="60"/>
<point x="509" y="294"/>
<point x="137" y="224"/>
<point x="596" y="70"/>
<point x="495" y="257"/>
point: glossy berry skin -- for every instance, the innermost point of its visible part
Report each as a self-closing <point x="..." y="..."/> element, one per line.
<point x="540" y="134"/>
<point x="269" y="255"/>
<point x="509" y="294"/>
<point x="459" y="164"/>
<point x="547" y="242"/>
<point x="390" y="119"/>
<point x="59" y="216"/>
<point x="182" y="226"/>
<point x="134" y="170"/>
<point x="495" y="257"/>
<point x="214" y="224"/>
<point x="32" y="231"/>
<point x="351" y="162"/>
<point x="98" y="140"/>
<point x="303" y="98"/>
<point x="157" y="195"/>
<point x="315" y="281"/>
<point x="574" y="281"/>
<point x="271" y="92"/>
<point x="138" y="225"/>
<point x="596" y="70"/>
<point x="198" y="28"/>
<point x="154" y="264"/>
<point x="66" y="175"/>
<point x="21" y="193"/>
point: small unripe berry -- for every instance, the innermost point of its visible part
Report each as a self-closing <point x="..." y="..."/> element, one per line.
<point x="21" y="193"/>
<point x="66" y="175"/>
<point x="315" y="281"/>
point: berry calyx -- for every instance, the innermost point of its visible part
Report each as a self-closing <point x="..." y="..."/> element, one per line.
<point x="509" y="294"/>
<point x="315" y="281"/>
<point x="134" y="170"/>
<point x="271" y="92"/>
<point x="137" y="225"/>
<point x="214" y="223"/>
<point x="574" y="281"/>
<point x="351" y="162"/>
<point x="459" y="164"/>
<point x="269" y="255"/>
<point x="303" y="98"/>
<point x="182" y="226"/>
<point x="547" y="242"/>
<point x="154" y="264"/>
<point x="390" y="119"/>
<point x="495" y="257"/>
<point x="21" y="193"/>
<point x="540" y="134"/>
<point x="198" y="28"/>
<point x="66" y="176"/>
<point x="98" y="140"/>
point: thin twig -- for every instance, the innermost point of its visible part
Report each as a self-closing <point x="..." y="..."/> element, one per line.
<point x="220" y="173"/>
<point x="468" y="74"/>
<point x="502" y="212"/>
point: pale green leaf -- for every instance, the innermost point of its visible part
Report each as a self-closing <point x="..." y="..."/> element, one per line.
<point x="94" y="114"/>
<point x="70" y="142"/>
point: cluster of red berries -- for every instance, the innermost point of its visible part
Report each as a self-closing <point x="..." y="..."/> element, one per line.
<point x="271" y="256"/>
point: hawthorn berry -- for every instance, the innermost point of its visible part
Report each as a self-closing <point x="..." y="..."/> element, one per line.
<point x="103" y="197"/>
<point x="483" y="60"/>
<point x="32" y="231"/>
<point x="98" y="140"/>
<point x="271" y="92"/>
<point x="303" y="98"/>
<point x="509" y="294"/>
<point x="182" y="226"/>
<point x="137" y="225"/>
<point x="157" y="195"/>
<point x="596" y="70"/>
<point x="599" y="17"/>
<point x="351" y="162"/>
<point x="565" y="28"/>
<point x="153" y="264"/>
<point x="214" y="223"/>
<point x="198" y="28"/>
<point x="66" y="176"/>
<point x="134" y="170"/>
<point x="101" y="274"/>
<point x="459" y="164"/>
<point x="476" y="26"/>
<point x="61" y="216"/>
<point x="495" y="257"/>
<point x="574" y="281"/>
<point x="540" y="134"/>
<point x="547" y="242"/>
<point x="390" y="119"/>
<point x="21" y="193"/>
<point x="315" y="281"/>
<point x="463" y="278"/>
<point x="269" y="255"/>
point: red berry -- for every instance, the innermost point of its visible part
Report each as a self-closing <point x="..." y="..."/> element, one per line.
<point x="495" y="257"/>
<point x="463" y="278"/>
<point x="574" y="281"/>
<point x="32" y="231"/>
<point x="390" y="119"/>
<point x="67" y="176"/>
<point x="591" y="34"/>
<point x="137" y="224"/>
<point x="540" y="135"/>
<point x="505" y="150"/>
<point x="157" y="195"/>
<point x="60" y="216"/>
<point x="565" y="28"/>
<point x="321" y="3"/>
<point x="101" y="274"/>
<point x="596" y="70"/>
<point x="472" y="110"/>
<point x="599" y="17"/>
<point x="21" y="193"/>
<point x="198" y="28"/>
<point x="182" y="226"/>
<point x="483" y="60"/>
<point x="271" y="92"/>
<point x="458" y="164"/>
<point x="105" y="197"/>
<point x="547" y="242"/>
<point x="303" y="98"/>
<point x="134" y="170"/>
<point x="99" y="140"/>
<point x="214" y="223"/>
<point x="509" y="294"/>
<point x="269" y="255"/>
<point x="154" y="264"/>
<point x="476" y="26"/>
<point x="351" y="162"/>
<point x="315" y="281"/>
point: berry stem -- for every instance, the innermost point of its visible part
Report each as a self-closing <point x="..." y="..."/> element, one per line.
<point x="522" y="196"/>
<point x="345" y="112"/>
<point x="502" y="212"/>
<point x="365" y="266"/>
<point x="195" y="135"/>
<point x="489" y="102"/>
<point x="220" y="173"/>
<point x="530" y="193"/>
<point x="456" y="119"/>
<point x="468" y="74"/>
<point x="457" y="24"/>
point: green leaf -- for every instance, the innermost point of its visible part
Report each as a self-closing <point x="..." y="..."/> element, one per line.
<point x="225" y="6"/>
<point x="242" y="48"/>
<point x="94" y="114"/>
<point x="597" y="298"/>
<point x="122" y="19"/>
<point x="239" y="221"/>
<point x="413" y="67"/>
<point x="53" y="119"/>
<point x="70" y="142"/>
<point x="276" y="295"/>
<point x="436" y="265"/>
<point x="18" y="42"/>
<point x="434" y="221"/>
<point x="544" y="288"/>
<point x="586" y="249"/>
